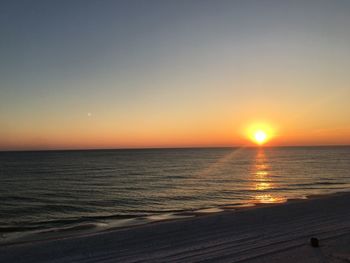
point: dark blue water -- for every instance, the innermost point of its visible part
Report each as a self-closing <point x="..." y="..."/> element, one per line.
<point x="51" y="191"/>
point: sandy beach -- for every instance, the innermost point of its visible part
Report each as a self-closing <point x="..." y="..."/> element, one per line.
<point x="274" y="233"/>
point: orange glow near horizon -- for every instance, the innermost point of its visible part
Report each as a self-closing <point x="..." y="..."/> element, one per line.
<point x="97" y="132"/>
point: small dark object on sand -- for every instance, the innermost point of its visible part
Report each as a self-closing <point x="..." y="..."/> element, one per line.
<point x="314" y="242"/>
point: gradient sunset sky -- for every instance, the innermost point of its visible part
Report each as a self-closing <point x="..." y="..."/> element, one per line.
<point x="119" y="74"/>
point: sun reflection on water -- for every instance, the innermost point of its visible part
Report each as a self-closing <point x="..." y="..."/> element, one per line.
<point x="262" y="181"/>
<point x="262" y="186"/>
<point x="269" y="199"/>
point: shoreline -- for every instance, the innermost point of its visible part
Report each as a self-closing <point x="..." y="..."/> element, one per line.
<point x="84" y="230"/>
<point x="276" y="227"/>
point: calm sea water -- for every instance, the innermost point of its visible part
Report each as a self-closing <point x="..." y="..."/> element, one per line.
<point x="65" y="191"/>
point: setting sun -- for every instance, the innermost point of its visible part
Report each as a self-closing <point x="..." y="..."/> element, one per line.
<point x="260" y="132"/>
<point x="260" y="137"/>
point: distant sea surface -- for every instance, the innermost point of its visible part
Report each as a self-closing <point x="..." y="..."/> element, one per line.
<point x="48" y="193"/>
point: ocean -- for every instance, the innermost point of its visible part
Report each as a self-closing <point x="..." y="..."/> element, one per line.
<point x="53" y="193"/>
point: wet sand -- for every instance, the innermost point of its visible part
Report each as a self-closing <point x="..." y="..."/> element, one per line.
<point x="272" y="233"/>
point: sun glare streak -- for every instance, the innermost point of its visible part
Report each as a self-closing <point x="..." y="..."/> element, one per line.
<point x="219" y="163"/>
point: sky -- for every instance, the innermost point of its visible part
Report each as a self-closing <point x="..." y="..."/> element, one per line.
<point x="133" y="74"/>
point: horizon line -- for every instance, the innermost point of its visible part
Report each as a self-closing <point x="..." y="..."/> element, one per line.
<point x="180" y="147"/>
